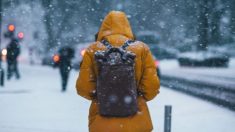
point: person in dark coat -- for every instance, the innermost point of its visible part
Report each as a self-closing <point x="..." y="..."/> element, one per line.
<point x="65" y="56"/>
<point x="13" y="51"/>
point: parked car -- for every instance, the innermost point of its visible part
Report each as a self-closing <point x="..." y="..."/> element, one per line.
<point x="47" y="60"/>
<point x="78" y="59"/>
<point x="152" y="38"/>
<point x="148" y="37"/>
<point x="80" y="50"/>
<point x="163" y="52"/>
<point x="203" y="59"/>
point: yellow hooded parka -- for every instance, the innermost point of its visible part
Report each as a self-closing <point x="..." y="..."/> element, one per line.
<point x="116" y="29"/>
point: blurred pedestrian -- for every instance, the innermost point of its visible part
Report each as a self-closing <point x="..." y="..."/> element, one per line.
<point x="66" y="54"/>
<point x="13" y="51"/>
<point x="111" y="67"/>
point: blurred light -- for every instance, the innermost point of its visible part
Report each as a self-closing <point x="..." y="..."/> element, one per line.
<point x="20" y="35"/>
<point x="4" y="52"/>
<point x="156" y="63"/>
<point x="56" y="58"/>
<point x="83" y="52"/>
<point x="11" y="28"/>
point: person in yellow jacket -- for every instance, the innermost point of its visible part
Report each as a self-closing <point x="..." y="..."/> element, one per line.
<point x="116" y="30"/>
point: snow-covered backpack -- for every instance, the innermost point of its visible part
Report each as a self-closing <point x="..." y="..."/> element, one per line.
<point x="116" y="85"/>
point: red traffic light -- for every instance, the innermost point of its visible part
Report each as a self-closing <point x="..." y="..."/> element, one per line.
<point x="156" y="63"/>
<point x="20" y="35"/>
<point x="56" y="58"/>
<point x="11" y="28"/>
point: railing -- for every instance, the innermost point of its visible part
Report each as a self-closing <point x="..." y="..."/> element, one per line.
<point x="222" y="95"/>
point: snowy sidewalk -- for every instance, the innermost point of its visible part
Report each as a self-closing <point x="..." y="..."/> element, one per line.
<point x="214" y="84"/>
<point x="35" y="104"/>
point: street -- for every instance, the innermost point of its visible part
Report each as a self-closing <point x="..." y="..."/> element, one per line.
<point x="116" y="46"/>
<point x="35" y="104"/>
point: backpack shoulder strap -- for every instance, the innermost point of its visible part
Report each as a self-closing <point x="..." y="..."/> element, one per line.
<point x="124" y="46"/>
<point x="106" y="44"/>
<point x="127" y="43"/>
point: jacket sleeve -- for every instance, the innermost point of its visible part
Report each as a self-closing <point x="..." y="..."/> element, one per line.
<point x="149" y="83"/>
<point x="86" y="82"/>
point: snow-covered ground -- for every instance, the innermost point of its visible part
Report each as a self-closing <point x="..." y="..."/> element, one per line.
<point x="35" y="104"/>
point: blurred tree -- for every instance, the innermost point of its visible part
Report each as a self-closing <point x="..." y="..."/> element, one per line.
<point x="232" y="17"/>
<point x="203" y="25"/>
<point x="216" y="11"/>
<point x="179" y="23"/>
<point x="47" y="4"/>
<point x="0" y="27"/>
<point x="57" y="21"/>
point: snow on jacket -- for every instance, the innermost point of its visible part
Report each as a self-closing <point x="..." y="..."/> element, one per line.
<point x="116" y="29"/>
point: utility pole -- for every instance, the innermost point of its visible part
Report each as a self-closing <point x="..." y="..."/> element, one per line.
<point x="1" y="69"/>
<point x="167" y="119"/>
<point x="203" y="26"/>
<point x="0" y="25"/>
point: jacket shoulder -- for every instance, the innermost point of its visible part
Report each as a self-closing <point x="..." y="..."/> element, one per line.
<point x="144" y="45"/>
<point x="139" y="46"/>
<point x="93" y="47"/>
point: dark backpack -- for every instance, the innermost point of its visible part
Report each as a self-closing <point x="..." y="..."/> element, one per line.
<point x="116" y="85"/>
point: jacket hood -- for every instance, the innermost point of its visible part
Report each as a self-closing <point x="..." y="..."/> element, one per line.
<point x="115" y="23"/>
